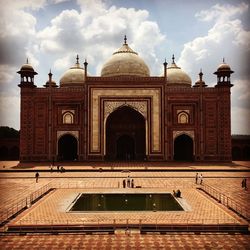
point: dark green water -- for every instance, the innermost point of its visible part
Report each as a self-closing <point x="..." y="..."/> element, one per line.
<point x="126" y="202"/>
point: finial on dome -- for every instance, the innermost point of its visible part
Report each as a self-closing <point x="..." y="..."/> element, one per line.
<point x="200" y="74"/>
<point x="27" y="61"/>
<point x="165" y="62"/>
<point x="77" y="59"/>
<point x="125" y="39"/>
<point x="173" y="59"/>
<point x="50" y="76"/>
<point x="85" y="62"/>
<point x="223" y="60"/>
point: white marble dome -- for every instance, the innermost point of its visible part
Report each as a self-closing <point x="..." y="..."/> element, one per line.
<point x="74" y="76"/>
<point x="125" y="62"/>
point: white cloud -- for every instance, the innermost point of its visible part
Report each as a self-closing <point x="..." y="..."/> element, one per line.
<point x="21" y="4"/>
<point x="241" y="93"/>
<point x="227" y="38"/>
<point x="6" y="74"/>
<point x="58" y="1"/>
<point x="63" y="63"/>
<point x="222" y="13"/>
<point x="9" y="111"/>
<point x="240" y="120"/>
<point x="96" y="37"/>
<point x="17" y="34"/>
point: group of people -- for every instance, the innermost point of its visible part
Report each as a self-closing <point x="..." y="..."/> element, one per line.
<point x="128" y="182"/>
<point x="58" y="167"/>
<point x="177" y="193"/>
<point x="244" y="183"/>
<point x="198" y="179"/>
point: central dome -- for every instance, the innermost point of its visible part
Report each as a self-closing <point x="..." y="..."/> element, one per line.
<point x="125" y="62"/>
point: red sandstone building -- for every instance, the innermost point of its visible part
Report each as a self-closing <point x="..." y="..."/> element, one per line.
<point x="125" y="114"/>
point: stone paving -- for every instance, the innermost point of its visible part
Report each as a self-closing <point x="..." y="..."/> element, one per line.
<point x="52" y="210"/>
<point x="122" y="242"/>
<point x="52" y="207"/>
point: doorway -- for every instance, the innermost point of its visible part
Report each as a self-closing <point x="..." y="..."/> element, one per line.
<point x="183" y="148"/>
<point x="125" y="135"/>
<point x="67" y="148"/>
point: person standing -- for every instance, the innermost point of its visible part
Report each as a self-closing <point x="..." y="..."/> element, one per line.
<point x="128" y="182"/>
<point x="196" y="178"/>
<point x="37" y="177"/>
<point x="244" y="183"/>
<point x="201" y="179"/>
<point x="132" y="183"/>
<point x="245" y="186"/>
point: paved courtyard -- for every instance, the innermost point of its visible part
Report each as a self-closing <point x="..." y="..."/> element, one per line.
<point x="52" y="208"/>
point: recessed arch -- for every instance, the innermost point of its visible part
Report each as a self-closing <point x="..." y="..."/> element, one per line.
<point x="125" y="148"/>
<point x="125" y="134"/>
<point x="68" y="118"/>
<point x="183" y="117"/>
<point x="67" y="148"/>
<point x="183" y="148"/>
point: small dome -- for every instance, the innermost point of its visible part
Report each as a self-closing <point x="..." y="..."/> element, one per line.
<point x="125" y="62"/>
<point x="75" y="76"/>
<point x="50" y="82"/>
<point x="200" y="82"/>
<point x="223" y="68"/>
<point x="27" y="68"/>
<point x="177" y="77"/>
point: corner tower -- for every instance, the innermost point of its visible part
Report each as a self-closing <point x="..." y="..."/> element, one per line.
<point x="27" y="74"/>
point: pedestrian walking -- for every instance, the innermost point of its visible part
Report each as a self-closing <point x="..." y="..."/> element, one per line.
<point x="201" y="179"/>
<point x="132" y="183"/>
<point x="37" y="177"/>
<point x="196" y="178"/>
<point x="128" y="181"/>
<point x="124" y="183"/>
<point x="244" y="183"/>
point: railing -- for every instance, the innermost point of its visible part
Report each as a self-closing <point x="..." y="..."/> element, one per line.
<point x="110" y="225"/>
<point x="18" y="206"/>
<point x="226" y="201"/>
<point x="87" y="184"/>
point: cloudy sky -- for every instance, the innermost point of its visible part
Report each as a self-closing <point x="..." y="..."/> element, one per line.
<point x="51" y="32"/>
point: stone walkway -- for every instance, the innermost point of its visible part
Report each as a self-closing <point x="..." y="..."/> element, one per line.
<point x="124" y="242"/>
<point x="52" y="207"/>
<point x="52" y="210"/>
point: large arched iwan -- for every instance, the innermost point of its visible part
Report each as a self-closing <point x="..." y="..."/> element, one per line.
<point x="125" y="135"/>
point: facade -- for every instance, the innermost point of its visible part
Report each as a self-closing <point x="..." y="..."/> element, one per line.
<point x="125" y="114"/>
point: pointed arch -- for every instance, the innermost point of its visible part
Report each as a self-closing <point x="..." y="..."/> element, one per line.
<point x="125" y="134"/>
<point x="183" y="148"/>
<point x="67" y="147"/>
